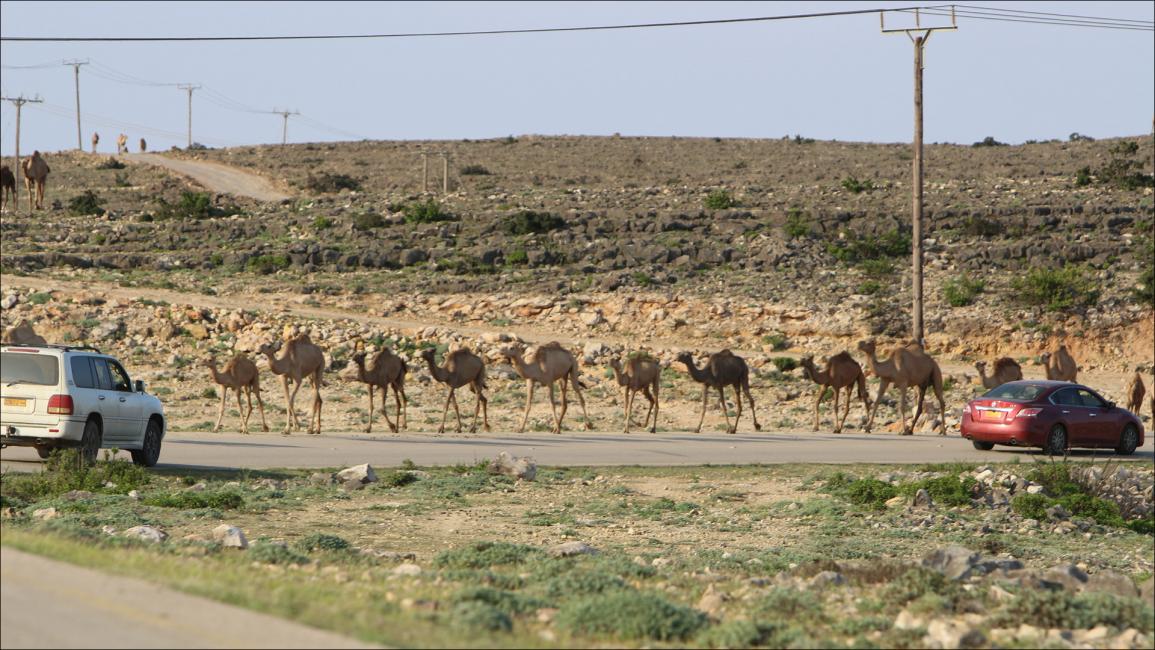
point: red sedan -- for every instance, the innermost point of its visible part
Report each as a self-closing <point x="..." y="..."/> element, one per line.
<point x="1054" y="415"/>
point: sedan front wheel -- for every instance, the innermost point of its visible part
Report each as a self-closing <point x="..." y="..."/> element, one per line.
<point x="1128" y="441"/>
<point x="1056" y="444"/>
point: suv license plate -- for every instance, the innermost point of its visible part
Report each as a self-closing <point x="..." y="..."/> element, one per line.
<point x="15" y="401"/>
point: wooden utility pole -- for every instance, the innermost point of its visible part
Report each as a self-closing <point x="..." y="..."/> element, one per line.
<point x="18" y="102"/>
<point x="190" y="88"/>
<point x="76" y="67"/>
<point x="445" y="173"/>
<point x="424" y="172"/>
<point x="917" y="332"/>
<point x="285" y="129"/>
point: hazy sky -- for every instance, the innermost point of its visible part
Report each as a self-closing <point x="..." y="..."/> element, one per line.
<point x="826" y="78"/>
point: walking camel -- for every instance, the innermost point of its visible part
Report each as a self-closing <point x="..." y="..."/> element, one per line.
<point x="95" y="140"/>
<point x="22" y="334"/>
<point x="1060" y="365"/>
<point x="551" y="362"/>
<point x="841" y="372"/>
<point x="1006" y="369"/>
<point x="7" y="186"/>
<point x="907" y="366"/>
<point x="121" y="144"/>
<point x="143" y="145"/>
<point x="241" y="375"/>
<point x="386" y="370"/>
<point x="461" y="368"/>
<point x="35" y="174"/>
<point x="1135" y="393"/>
<point x="301" y="359"/>
<point x="722" y="369"/>
<point x="641" y="373"/>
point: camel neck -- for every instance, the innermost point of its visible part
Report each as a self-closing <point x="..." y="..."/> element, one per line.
<point x="439" y="373"/>
<point x="699" y="374"/>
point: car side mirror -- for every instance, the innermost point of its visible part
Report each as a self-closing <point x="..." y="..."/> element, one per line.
<point x="1110" y="405"/>
<point x="140" y="385"/>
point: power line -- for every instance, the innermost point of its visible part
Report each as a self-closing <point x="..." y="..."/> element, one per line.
<point x="494" y="32"/>
<point x="999" y="17"/>
<point x="50" y="64"/>
<point x="101" y="120"/>
<point x="1043" y="13"/>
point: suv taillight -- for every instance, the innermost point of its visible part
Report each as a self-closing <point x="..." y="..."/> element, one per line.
<point x="60" y="405"/>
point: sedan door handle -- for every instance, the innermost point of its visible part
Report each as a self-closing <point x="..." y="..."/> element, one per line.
<point x="1094" y="415"/>
<point x="1064" y="412"/>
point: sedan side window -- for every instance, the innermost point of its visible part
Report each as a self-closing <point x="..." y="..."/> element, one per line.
<point x="1090" y="399"/>
<point x="120" y="379"/>
<point x="1067" y="397"/>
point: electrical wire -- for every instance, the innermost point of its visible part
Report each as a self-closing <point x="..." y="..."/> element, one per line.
<point x="1012" y="18"/>
<point x="1043" y="13"/>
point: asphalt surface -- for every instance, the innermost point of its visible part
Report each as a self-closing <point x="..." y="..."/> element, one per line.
<point x="272" y="450"/>
<point x="49" y="604"/>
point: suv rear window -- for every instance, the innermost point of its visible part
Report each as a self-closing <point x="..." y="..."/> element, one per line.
<point x="38" y="369"/>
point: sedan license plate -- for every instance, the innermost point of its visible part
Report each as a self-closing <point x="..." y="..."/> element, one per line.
<point x="992" y="415"/>
<point x="15" y="401"/>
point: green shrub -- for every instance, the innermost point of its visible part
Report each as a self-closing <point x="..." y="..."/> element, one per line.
<point x="1083" y="177"/>
<point x="474" y="170"/>
<point x="110" y="163"/>
<point x="797" y="223"/>
<point x="856" y="248"/>
<point x="428" y="211"/>
<point x="185" y="500"/>
<point x="961" y="291"/>
<point x="85" y="204"/>
<point x="1145" y="293"/>
<point x="784" y="364"/>
<point x="321" y="542"/>
<point x="869" y="288"/>
<point x="517" y="256"/>
<point x="629" y="616"/>
<point x="270" y="553"/>
<point x="398" y="479"/>
<point x="322" y="223"/>
<point x="529" y="222"/>
<point x="476" y="615"/>
<point x="980" y="226"/>
<point x="856" y="186"/>
<point x="64" y="471"/>
<point x="39" y="298"/>
<point x="720" y="200"/>
<point x="945" y="490"/>
<point x="367" y="221"/>
<point x="1031" y="506"/>
<point x="481" y="555"/>
<point x="582" y="583"/>
<point x="266" y="264"/>
<point x="192" y="205"/>
<point x="870" y="493"/>
<point x="327" y="183"/>
<point x="783" y="603"/>
<point x="508" y="602"/>
<point x="989" y="142"/>
<point x="731" y="634"/>
<point x="1045" y="608"/>
<point x="776" y="341"/>
<point x="1056" y="289"/>
<point x="880" y="268"/>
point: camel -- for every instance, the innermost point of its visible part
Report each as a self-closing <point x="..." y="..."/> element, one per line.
<point x="841" y="371"/>
<point x="907" y="366"/>
<point x="722" y="369"/>
<point x="385" y="370"/>
<point x="551" y="362"/>
<point x="143" y="145"/>
<point x="7" y="186"/>
<point x="1135" y="393"/>
<point x="241" y="375"/>
<point x="121" y="144"/>
<point x="95" y="140"/>
<point x="35" y="174"/>
<point x="1060" y="365"/>
<point x="23" y="334"/>
<point x="642" y="373"/>
<point x="1006" y="369"/>
<point x="301" y="359"/>
<point x="461" y="368"/>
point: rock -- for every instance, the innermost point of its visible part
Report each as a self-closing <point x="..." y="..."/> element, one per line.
<point x="199" y="487"/>
<point x="1110" y="582"/>
<point x="894" y="502"/>
<point x="954" y="562"/>
<point x="230" y="536"/>
<point x="9" y="301"/>
<point x="407" y="569"/>
<point x="321" y="478"/>
<point x="363" y="474"/>
<point x="134" y="495"/>
<point x="826" y="579"/>
<point x="907" y="621"/>
<point x="712" y="601"/>
<point x="520" y="468"/>
<point x="922" y="499"/>
<point x="569" y="549"/>
<point x="952" y="634"/>
<point x="44" y="514"/>
<point x="75" y="495"/>
<point x="1069" y="576"/>
<point x="147" y="533"/>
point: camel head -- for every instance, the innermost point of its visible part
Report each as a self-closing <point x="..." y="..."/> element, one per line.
<point x="685" y="357"/>
<point x="616" y="365"/>
<point x="808" y="363"/>
<point x="269" y="348"/>
<point x="510" y="352"/>
<point x="210" y="362"/>
<point x="358" y="358"/>
<point x="867" y="346"/>
<point x="981" y="366"/>
<point x="1045" y="358"/>
<point x="429" y="354"/>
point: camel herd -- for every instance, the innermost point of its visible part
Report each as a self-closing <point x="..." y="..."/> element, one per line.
<point x="35" y="171"/>
<point x="905" y="366"/>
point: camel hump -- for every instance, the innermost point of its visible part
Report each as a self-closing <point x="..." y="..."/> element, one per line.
<point x="552" y="345"/>
<point x="841" y="357"/>
<point x="726" y="353"/>
<point x="1005" y="363"/>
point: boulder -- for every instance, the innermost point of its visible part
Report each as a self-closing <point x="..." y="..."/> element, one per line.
<point x="147" y="533"/>
<point x="519" y="468"/>
<point x="230" y="536"/>
<point x="362" y="474"/>
<point x="954" y="562"/>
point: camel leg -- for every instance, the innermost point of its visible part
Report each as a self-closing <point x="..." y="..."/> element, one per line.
<point x="476" y="407"/>
<point x="654" y="428"/>
<point x="845" y="407"/>
<point x="834" y="413"/>
<point x="750" y="398"/>
<point x="221" y="414"/>
<point x="725" y="412"/>
<point x="902" y="410"/>
<point x="581" y="400"/>
<point x="553" y="405"/>
<point x="818" y="403"/>
<point x="385" y="406"/>
<point x="261" y="405"/>
<point x="528" y="402"/>
<point x="317" y="401"/>
<point x="629" y="394"/>
<point x="402" y="405"/>
<point x="564" y="403"/>
<point x="241" y="411"/>
<point x="369" y="429"/>
<point x="918" y="409"/>
<point x="941" y="408"/>
<point x="249" y="401"/>
<point x="457" y="410"/>
<point x="290" y="415"/>
<point x="445" y="411"/>
<point x="705" y="391"/>
<point x="881" y="391"/>
<point x="484" y="406"/>
<point x="653" y="405"/>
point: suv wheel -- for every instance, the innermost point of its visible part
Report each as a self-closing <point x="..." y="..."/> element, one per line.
<point x="149" y="453"/>
<point x="90" y="443"/>
<point x="44" y="451"/>
<point x="1128" y="441"/>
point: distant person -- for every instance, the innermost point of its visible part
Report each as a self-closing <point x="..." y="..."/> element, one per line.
<point x="143" y="145"/>
<point x="95" y="141"/>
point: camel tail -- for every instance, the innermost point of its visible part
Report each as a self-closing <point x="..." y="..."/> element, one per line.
<point x="862" y="394"/>
<point x="573" y="376"/>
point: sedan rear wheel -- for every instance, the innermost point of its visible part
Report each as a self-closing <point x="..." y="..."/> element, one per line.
<point x="983" y="446"/>
<point x="1128" y="441"/>
<point x="1056" y="444"/>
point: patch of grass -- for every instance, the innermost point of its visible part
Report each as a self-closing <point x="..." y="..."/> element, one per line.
<point x="797" y="223"/>
<point x="856" y="186"/>
<point x="1045" y="608"/>
<point x="87" y="203"/>
<point x="321" y="542"/>
<point x="187" y="500"/>
<point x="329" y="183"/>
<point x="367" y="221"/>
<point x="1056" y="289"/>
<point x="945" y="490"/>
<point x="267" y="264"/>
<point x="784" y="364"/>
<point x="527" y="222"/>
<point x="630" y="617"/>
<point x="322" y="223"/>
<point x="474" y="170"/>
<point x="480" y="555"/>
<point x="719" y="200"/>
<point x="961" y="291"/>
<point x="65" y="472"/>
<point x="855" y="248"/>
<point x="428" y="211"/>
<point x="271" y="553"/>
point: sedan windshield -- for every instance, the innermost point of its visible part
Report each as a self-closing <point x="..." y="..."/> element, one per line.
<point x="1018" y="392"/>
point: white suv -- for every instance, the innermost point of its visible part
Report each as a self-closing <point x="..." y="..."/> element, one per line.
<point x="58" y="396"/>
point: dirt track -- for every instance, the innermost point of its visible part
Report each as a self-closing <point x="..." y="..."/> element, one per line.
<point x="216" y="177"/>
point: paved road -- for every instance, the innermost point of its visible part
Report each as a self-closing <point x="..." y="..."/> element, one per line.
<point x="49" y="604"/>
<point x="263" y="451"/>
<point x="215" y="176"/>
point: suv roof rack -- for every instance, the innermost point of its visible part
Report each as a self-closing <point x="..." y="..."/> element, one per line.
<point x="66" y="348"/>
